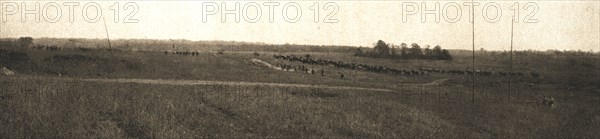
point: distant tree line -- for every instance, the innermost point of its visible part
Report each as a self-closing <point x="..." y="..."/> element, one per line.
<point x="170" y="45"/>
<point x="385" y="50"/>
<point x="530" y="52"/>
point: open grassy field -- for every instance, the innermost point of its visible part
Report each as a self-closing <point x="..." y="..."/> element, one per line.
<point x="77" y="93"/>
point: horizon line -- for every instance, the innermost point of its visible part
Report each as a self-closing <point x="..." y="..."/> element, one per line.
<point x="290" y="44"/>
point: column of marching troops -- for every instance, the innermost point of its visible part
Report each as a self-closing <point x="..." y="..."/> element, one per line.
<point x="387" y="70"/>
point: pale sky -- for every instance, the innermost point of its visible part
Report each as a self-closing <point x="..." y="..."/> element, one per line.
<point x="569" y="25"/>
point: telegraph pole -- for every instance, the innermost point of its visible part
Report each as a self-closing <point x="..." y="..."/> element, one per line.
<point x="473" y="66"/>
<point x="512" y="26"/>
<point x="107" y="37"/>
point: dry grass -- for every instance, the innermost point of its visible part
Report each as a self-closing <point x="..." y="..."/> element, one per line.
<point x="46" y="108"/>
<point x="41" y="109"/>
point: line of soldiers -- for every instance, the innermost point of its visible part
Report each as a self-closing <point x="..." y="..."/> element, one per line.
<point x="304" y="69"/>
<point x="381" y="69"/>
<point x="48" y="47"/>
<point x="183" y="53"/>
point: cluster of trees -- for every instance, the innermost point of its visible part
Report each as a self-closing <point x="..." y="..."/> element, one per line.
<point x="385" y="50"/>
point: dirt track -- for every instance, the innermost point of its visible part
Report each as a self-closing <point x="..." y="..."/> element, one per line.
<point x="197" y="82"/>
<point x="204" y="82"/>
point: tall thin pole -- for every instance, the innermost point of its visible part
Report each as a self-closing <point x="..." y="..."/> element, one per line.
<point x="107" y="37"/>
<point x="512" y="26"/>
<point x="473" y="59"/>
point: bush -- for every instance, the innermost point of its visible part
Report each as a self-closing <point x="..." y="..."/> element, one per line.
<point x="25" y="42"/>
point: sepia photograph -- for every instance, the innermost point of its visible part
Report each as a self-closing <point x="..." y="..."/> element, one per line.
<point x="300" y="69"/>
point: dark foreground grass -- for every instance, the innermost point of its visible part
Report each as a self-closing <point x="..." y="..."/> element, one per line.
<point x="47" y="109"/>
<point x="38" y="108"/>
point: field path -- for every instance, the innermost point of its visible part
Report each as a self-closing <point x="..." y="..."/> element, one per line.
<point x="196" y="82"/>
<point x="206" y="82"/>
<point x="263" y="63"/>
<point x="437" y="82"/>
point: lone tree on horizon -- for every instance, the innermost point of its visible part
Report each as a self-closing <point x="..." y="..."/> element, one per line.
<point x="25" y="42"/>
<point x="382" y="49"/>
<point x="416" y="51"/>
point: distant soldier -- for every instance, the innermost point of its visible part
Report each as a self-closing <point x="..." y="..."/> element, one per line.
<point x="502" y="73"/>
<point x="536" y="75"/>
<point x="322" y="72"/>
<point x="342" y="75"/>
<point x="551" y="101"/>
<point x="548" y="101"/>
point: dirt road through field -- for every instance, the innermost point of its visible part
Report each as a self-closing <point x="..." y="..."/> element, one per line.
<point x="196" y="82"/>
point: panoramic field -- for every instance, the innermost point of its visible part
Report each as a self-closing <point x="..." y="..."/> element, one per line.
<point x="188" y="91"/>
